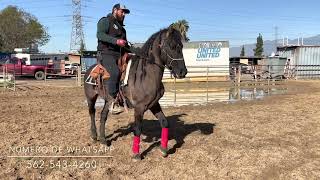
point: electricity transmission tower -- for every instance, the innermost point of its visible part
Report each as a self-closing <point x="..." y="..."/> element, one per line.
<point x="77" y="36"/>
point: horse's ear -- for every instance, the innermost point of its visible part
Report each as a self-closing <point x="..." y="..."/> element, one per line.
<point x="170" y="30"/>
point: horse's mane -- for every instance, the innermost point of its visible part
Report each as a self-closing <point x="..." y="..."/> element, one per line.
<point x="143" y="57"/>
<point x="144" y="50"/>
<point x="147" y="45"/>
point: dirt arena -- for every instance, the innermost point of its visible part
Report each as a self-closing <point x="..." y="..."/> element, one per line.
<point x="274" y="138"/>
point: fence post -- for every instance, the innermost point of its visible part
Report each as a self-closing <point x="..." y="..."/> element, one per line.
<point x="207" y="84"/>
<point x="296" y="72"/>
<point x="79" y="76"/>
<point x="239" y="75"/>
<point x="3" y="76"/>
<point x="45" y="75"/>
<point x="14" y="80"/>
<point x="234" y="78"/>
<point x="269" y="74"/>
<point x="175" y="92"/>
<point x="255" y="73"/>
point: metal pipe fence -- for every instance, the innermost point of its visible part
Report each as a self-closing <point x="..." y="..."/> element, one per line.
<point x="8" y="81"/>
<point x="234" y="75"/>
<point x="237" y="74"/>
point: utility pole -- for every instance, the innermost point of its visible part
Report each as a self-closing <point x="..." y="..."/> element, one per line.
<point x="77" y="35"/>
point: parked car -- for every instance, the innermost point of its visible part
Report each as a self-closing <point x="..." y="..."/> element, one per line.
<point x="71" y="68"/>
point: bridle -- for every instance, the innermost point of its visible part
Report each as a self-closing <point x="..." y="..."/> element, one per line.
<point x="162" y="47"/>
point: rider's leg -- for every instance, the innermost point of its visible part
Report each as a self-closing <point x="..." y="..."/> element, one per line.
<point x="109" y="61"/>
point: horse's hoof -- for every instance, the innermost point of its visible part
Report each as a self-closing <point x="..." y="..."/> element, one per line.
<point x="94" y="138"/>
<point x="102" y="140"/>
<point x="136" y="158"/>
<point x="108" y="143"/>
<point x="164" y="152"/>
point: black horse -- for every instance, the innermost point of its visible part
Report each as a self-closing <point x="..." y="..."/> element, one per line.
<point x="144" y="88"/>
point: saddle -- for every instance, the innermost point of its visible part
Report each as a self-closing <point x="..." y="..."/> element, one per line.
<point x="122" y="65"/>
<point x="123" y="73"/>
<point x="99" y="70"/>
<point x="98" y="74"/>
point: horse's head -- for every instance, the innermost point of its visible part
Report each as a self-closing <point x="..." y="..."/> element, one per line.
<point x="171" y="52"/>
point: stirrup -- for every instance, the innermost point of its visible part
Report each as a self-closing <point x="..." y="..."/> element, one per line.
<point x="114" y="110"/>
<point x="122" y="84"/>
<point x="91" y="81"/>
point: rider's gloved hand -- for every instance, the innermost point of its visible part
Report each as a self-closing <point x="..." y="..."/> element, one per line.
<point x="121" y="42"/>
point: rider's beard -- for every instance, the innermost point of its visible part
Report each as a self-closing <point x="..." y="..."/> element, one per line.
<point x="120" y="18"/>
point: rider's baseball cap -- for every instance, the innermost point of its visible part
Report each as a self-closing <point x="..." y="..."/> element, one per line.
<point x="121" y="6"/>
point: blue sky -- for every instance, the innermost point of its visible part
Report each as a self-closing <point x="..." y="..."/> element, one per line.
<point x="239" y="22"/>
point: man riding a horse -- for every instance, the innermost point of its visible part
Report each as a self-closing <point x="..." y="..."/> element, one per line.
<point x="144" y="86"/>
<point x="112" y="44"/>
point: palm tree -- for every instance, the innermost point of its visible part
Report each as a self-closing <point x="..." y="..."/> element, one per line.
<point x="182" y="26"/>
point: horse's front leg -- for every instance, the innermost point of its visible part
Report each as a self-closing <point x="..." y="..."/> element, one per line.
<point x="157" y="112"/>
<point x="103" y="119"/>
<point x="137" y="130"/>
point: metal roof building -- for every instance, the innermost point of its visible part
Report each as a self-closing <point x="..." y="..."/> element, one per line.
<point x="303" y="60"/>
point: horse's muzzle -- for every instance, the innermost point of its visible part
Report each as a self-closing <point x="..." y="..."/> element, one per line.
<point x="180" y="74"/>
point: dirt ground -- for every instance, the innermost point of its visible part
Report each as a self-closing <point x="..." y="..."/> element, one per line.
<point x="274" y="138"/>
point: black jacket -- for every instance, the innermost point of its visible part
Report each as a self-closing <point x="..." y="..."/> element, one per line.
<point x="109" y="30"/>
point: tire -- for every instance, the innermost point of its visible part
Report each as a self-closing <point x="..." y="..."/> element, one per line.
<point x="39" y="75"/>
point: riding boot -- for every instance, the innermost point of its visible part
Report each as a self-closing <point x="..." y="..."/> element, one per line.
<point x="115" y="108"/>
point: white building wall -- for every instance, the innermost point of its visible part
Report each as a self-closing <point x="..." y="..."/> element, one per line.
<point x="203" y="56"/>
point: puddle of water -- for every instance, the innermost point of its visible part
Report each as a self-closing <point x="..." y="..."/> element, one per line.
<point x="229" y="95"/>
<point x="202" y="97"/>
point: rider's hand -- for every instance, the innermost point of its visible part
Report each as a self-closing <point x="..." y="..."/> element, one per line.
<point x="121" y="42"/>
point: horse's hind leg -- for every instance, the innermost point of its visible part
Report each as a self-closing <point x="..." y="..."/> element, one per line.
<point x="103" y="119"/>
<point x="92" y="112"/>
<point x="157" y="111"/>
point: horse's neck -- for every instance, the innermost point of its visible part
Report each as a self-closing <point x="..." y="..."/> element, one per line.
<point x="147" y="69"/>
<point x="158" y="63"/>
<point x="152" y="64"/>
<point x="156" y="54"/>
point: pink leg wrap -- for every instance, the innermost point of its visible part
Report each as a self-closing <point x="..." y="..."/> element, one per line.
<point x="164" y="137"/>
<point x="136" y="145"/>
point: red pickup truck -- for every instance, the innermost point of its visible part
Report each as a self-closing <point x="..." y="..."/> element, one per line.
<point x="18" y="67"/>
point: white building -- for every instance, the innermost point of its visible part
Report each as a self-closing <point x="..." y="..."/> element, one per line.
<point x="203" y="56"/>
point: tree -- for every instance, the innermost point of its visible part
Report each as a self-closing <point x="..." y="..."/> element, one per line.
<point x="182" y="26"/>
<point x="20" y="29"/>
<point x="259" y="46"/>
<point x="242" y="52"/>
